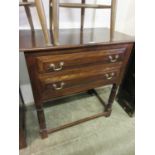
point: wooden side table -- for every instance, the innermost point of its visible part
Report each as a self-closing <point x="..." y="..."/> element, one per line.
<point x="75" y="65"/>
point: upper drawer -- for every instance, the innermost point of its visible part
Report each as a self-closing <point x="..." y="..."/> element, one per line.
<point x="55" y="63"/>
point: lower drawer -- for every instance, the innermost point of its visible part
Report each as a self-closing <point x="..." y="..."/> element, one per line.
<point x="53" y="89"/>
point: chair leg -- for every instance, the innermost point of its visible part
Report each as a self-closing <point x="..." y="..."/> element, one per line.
<point x="82" y="22"/>
<point x="28" y="14"/>
<point x="112" y="18"/>
<point x="82" y="15"/>
<point x="50" y="15"/>
<point x="51" y="21"/>
<point x="55" y="21"/>
<point x="42" y="18"/>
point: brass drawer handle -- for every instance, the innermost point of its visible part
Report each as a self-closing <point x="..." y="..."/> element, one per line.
<point x="52" y="66"/>
<point x="109" y="76"/>
<point x="113" y="59"/>
<point x="55" y="86"/>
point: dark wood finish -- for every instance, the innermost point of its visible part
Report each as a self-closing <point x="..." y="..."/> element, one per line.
<point x="74" y="60"/>
<point x="126" y="93"/>
<point x="70" y="38"/>
<point x="78" y="79"/>
<point x="85" y="66"/>
<point x="42" y="122"/>
<point x="111" y="98"/>
<point x="22" y="126"/>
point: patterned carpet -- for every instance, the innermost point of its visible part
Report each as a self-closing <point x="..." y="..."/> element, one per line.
<point x="102" y="136"/>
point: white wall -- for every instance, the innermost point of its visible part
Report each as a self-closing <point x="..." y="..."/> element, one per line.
<point x="70" y="18"/>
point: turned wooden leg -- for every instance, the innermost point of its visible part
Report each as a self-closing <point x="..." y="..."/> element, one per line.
<point x="42" y="122"/>
<point x="111" y="99"/>
<point x="42" y="18"/>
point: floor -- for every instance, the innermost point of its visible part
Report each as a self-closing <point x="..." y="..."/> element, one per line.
<point x="102" y="136"/>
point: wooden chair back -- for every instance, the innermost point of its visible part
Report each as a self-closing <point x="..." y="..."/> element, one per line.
<point x="54" y="15"/>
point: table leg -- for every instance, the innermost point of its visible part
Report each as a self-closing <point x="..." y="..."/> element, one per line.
<point x="111" y="99"/>
<point x="42" y="122"/>
<point x="22" y="125"/>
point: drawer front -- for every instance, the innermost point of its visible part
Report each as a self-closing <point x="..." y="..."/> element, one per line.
<point x="57" y="63"/>
<point x="81" y="80"/>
